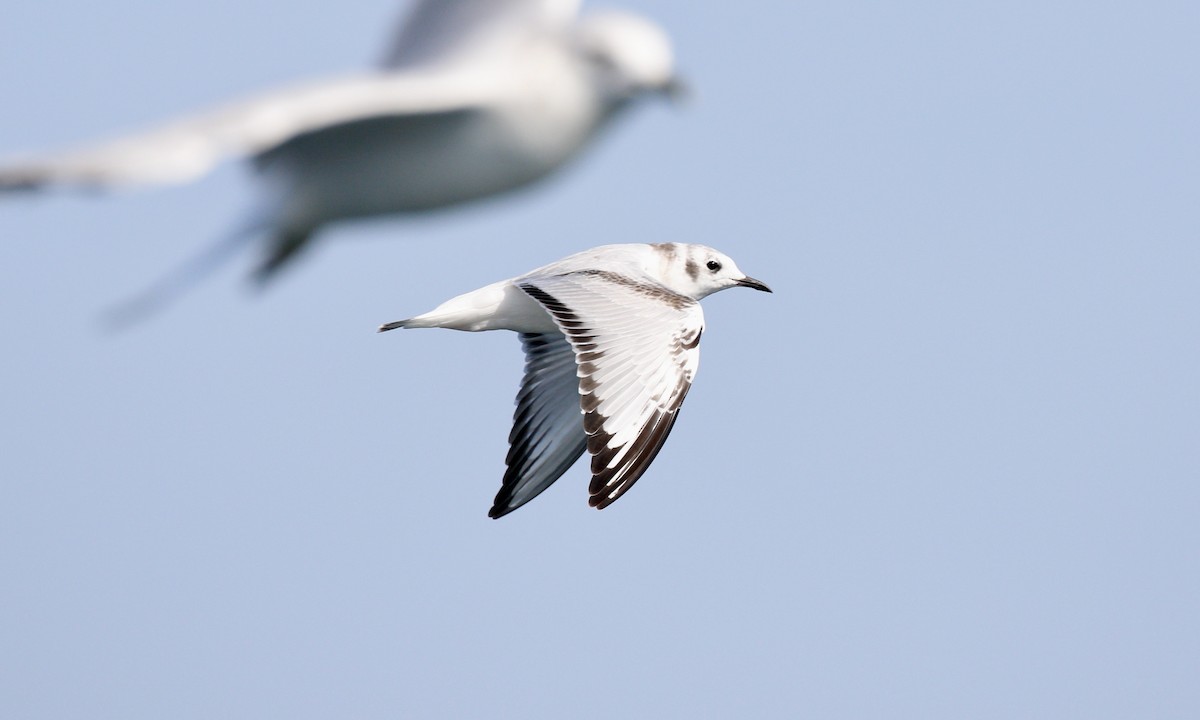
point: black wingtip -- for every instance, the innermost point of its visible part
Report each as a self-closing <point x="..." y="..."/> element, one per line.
<point x="391" y="326"/>
<point x="20" y="184"/>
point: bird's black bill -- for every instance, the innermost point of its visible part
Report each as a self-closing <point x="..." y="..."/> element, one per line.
<point x="752" y="283"/>
<point x="677" y="90"/>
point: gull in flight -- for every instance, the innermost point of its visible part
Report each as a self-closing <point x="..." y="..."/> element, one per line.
<point x="474" y="98"/>
<point x="612" y="343"/>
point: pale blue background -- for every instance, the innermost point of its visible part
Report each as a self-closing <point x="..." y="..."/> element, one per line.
<point x="950" y="469"/>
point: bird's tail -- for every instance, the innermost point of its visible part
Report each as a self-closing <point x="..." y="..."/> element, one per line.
<point x="428" y="320"/>
<point x="171" y="286"/>
<point x="394" y="325"/>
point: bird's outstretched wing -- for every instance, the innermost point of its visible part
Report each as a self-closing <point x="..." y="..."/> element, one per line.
<point x="636" y="346"/>
<point x="435" y="31"/>
<point x="190" y="147"/>
<point x="547" y="435"/>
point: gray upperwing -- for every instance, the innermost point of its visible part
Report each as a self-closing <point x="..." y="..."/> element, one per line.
<point x="364" y="136"/>
<point x="442" y="30"/>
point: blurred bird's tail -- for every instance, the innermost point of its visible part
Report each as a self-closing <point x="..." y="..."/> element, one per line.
<point x="171" y="286"/>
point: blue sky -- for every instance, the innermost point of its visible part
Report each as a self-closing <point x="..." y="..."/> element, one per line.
<point x="949" y="469"/>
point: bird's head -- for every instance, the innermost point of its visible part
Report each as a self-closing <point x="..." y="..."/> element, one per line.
<point x="698" y="271"/>
<point x="628" y="55"/>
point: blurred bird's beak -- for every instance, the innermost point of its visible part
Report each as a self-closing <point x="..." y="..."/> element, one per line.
<point x="677" y="90"/>
<point x="752" y="283"/>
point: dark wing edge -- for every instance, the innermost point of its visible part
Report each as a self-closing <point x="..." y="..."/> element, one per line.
<point x="633" y="459"/>
<point x="547" y="435"/>
<point x="610" y="483"/>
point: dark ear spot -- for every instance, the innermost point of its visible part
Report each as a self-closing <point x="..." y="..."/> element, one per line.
<point x="692" y="268"/>
<point x="667" y="250"/>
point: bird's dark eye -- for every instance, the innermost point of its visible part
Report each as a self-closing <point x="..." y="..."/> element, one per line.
<point x="713" y="265"/>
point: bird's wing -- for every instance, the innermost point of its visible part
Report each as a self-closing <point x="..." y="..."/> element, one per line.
<point x="444" y="30"/>
<point x="547" y="435"/>
<point x="190" y="147"/>
<point x="637" y="349"/>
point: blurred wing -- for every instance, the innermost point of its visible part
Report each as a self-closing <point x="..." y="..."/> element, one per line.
<point x="439" y="30"/>
<point x="190" y="147"/>
<point x="547" y="435"/>
<point x="637" y="347"/>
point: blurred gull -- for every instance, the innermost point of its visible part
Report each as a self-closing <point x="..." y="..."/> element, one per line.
<point x="475" y="98"/>
<point x="611" y="338"/>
